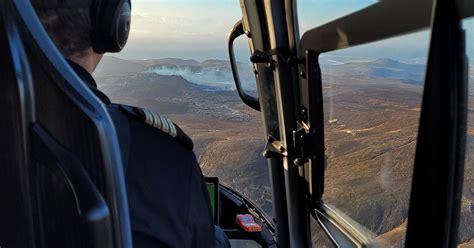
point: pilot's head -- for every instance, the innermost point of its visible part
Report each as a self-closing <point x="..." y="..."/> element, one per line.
<point x="83" y="30"/>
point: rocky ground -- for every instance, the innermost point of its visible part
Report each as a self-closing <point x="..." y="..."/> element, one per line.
<point x="371" y="126"/>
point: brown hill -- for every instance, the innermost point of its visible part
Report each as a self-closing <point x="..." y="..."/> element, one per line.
<point x="371" y="126"/>
<point x="392" y="238"/>
<point x="250" y="176"/>
<point x="113" y="66"/>
<point x="469" y="244"/>
<point x="168" y="61"/>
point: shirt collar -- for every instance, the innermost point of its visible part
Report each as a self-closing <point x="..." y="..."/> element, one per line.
<point x="83" y="74"/>
<point x="87" y="78"/>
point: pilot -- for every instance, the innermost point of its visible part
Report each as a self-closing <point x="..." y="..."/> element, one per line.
<point x="168" y="199"/>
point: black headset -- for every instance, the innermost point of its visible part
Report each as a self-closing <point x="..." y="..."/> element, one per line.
<point x="110" y="21"/>
<point x="110" y="24"/>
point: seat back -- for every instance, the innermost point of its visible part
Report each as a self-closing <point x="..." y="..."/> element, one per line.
<point x="61" y="173"/>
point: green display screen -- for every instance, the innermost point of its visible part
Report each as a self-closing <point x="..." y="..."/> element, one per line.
<point x="212" y="184"/>
<point x="212" y="195"/>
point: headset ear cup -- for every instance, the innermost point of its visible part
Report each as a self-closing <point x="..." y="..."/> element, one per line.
<point x="111" y="26"/>
<point x="123" y="26"/>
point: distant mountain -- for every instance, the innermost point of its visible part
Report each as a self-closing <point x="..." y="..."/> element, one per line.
<point x="381" y="68"/>
<point x="167" y="61"/>
<point x="215" y="63"/>
<point x="217" y="73"/>
<point x="213" y="73"/>
<point x="113" y="66"/>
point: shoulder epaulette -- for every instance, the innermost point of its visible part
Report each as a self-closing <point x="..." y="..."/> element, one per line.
<point x="161" y="123"/>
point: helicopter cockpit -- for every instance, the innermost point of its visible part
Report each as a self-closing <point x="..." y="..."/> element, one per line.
<point x="61" y="172"/>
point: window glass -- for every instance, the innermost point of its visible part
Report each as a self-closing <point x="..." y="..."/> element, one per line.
<point x="176" y="64"/>
<point x="372" y="99"/>
<point x="318" y="236"/>
<point x="466" y="226"/>
<point x="245" y="67"/>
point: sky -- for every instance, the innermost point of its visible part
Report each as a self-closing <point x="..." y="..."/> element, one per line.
<point x="198" y="29"/>
<point x="184" y="29"/>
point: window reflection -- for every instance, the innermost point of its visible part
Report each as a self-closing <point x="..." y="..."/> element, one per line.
<point x="372" y="107"/>
<point x="245" y="67"/>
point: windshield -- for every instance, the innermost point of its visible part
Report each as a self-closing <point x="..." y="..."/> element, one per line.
<point x="176" y="64"/>
<point x="372" y="110"/>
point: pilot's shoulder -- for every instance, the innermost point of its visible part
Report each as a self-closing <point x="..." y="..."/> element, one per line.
<point x="159" y="122"/>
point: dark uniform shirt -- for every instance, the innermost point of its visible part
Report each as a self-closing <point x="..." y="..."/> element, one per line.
<point x="168" y="199"/>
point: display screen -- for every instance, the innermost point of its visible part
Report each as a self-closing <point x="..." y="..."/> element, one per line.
<point x="212" y="184"/>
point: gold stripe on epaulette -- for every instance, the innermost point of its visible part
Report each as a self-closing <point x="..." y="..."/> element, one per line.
<point x="166" y="125"/>
<point x="160" y="122"/>
<point x="156" y="121"/>
<point x="172" y="127"/>
<point x="173" y="131"/>
<point x="148" y="117"/>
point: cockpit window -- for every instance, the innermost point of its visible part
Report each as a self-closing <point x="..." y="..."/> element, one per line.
<point x="176" y="64"/>
<point x="372" y="100"/>
<point x="466" y="225"/>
